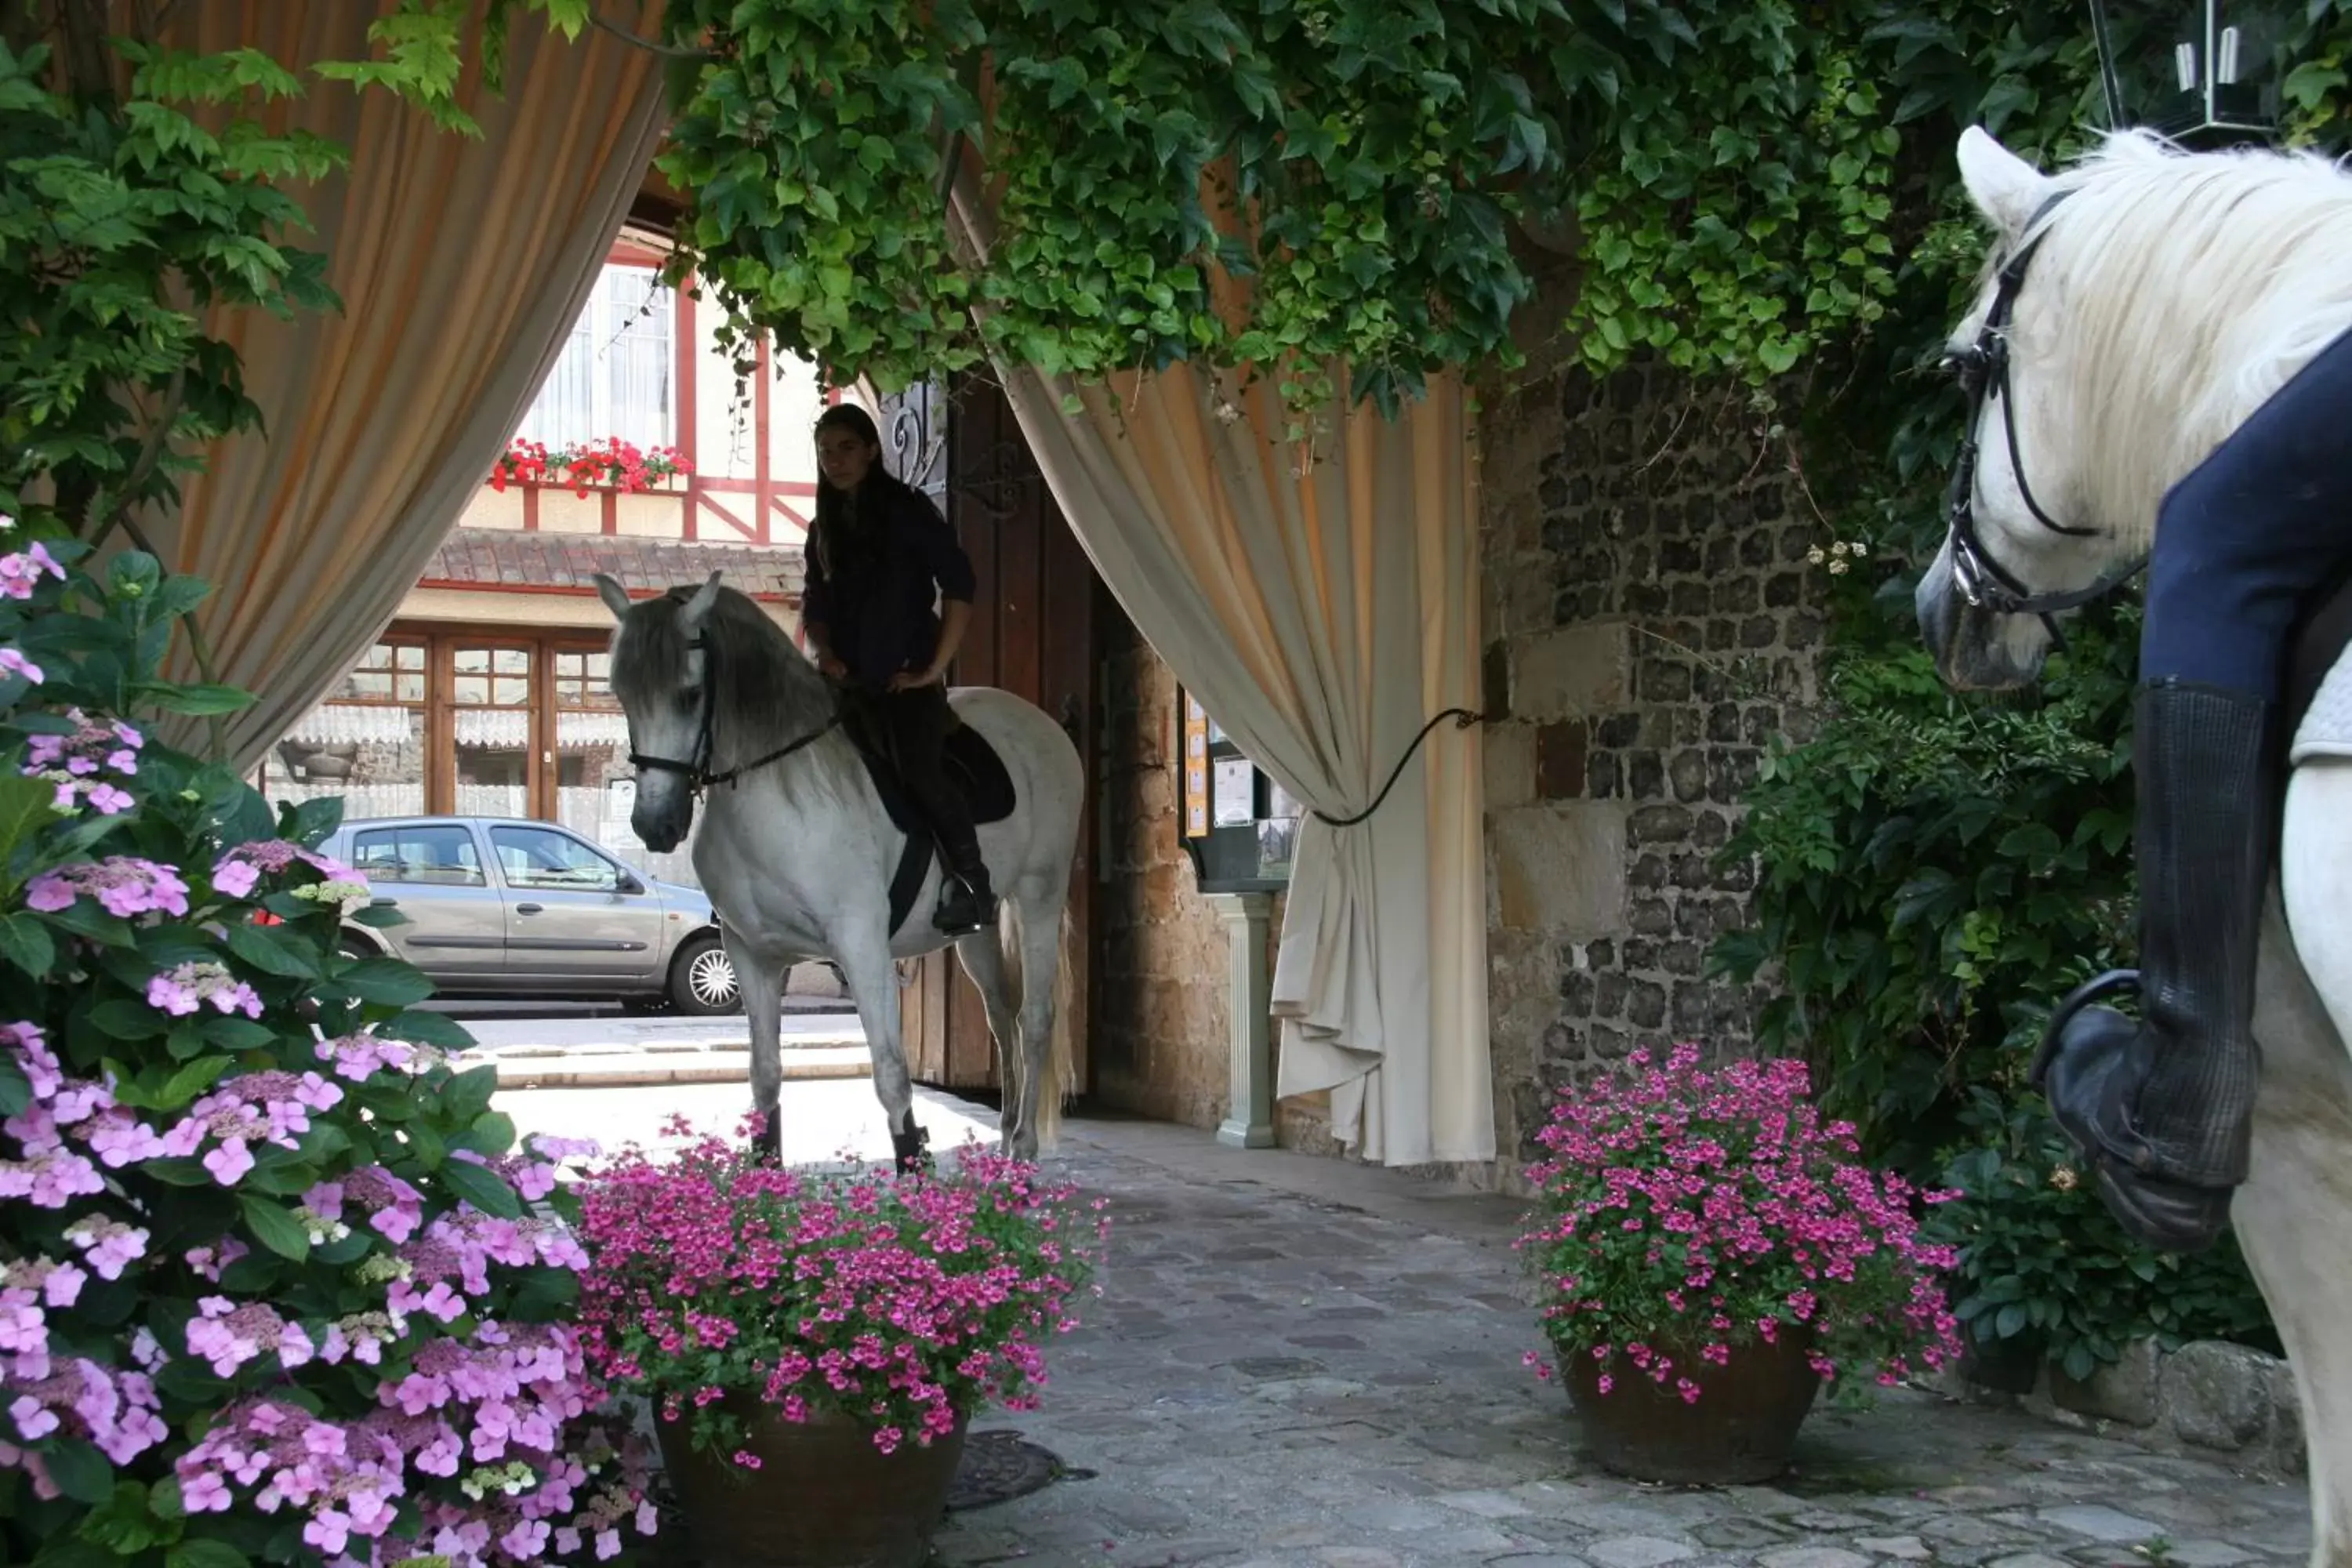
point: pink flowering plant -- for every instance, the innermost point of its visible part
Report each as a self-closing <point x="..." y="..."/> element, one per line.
<point x="1684" y="1214"/>
<point x="718" y="1285"/>
<point x="275" y="1283"/>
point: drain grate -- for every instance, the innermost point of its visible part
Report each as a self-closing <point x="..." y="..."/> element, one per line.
<point x="999" y="1466"/>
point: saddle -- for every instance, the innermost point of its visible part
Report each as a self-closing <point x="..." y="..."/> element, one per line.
<point x="972" y="770"/>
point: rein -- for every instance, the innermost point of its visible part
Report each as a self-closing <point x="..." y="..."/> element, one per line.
<point x="697" y="771"/>
<point x="1983" y="369"/>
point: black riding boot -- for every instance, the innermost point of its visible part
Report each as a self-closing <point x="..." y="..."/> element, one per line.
<point x="966" y="903"/>
<point x="2163" y="1111"/>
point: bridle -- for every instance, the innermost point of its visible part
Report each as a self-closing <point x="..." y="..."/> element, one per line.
<point x="697" y="771"/>
<point x="1982" y="369"/>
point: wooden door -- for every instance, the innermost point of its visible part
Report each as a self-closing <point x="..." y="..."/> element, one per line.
<point x="1032" y="634"/>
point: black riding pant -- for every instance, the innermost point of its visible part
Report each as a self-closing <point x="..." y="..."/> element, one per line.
<point x="2255" y="529"/>
<point x="915" y="724"/>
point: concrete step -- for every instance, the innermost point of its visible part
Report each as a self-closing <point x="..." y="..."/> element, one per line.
<point x="580" y="1068"/>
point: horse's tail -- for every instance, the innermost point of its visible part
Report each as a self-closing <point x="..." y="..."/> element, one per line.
<point x="1060" y="1060"/>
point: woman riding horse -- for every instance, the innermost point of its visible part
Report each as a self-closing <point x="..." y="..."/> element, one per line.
<point x="2243" y="544"/>
<point x="880" y="557"/>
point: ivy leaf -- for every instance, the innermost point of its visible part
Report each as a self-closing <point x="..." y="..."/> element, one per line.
<point x="275" y="1228"/>
<point x="467" y="1095"/>
<point x="26" y="806"/>
<point x="84" y="917"/>
<point x="205" y="1551"/>
<point x="486" y="1190"/>
<point x="429" y="1029"/>
<point x="25" y="942"/>
<point x="81" y="1472"/>
<point x="386" y="981"/>
<point x="201" y="702"/>
<point x="273" y="951"/>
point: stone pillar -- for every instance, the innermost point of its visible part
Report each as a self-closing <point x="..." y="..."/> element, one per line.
<point x="1249" y="1116"/>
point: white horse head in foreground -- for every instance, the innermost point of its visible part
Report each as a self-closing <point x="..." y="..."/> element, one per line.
<point x="2119" y="336"/>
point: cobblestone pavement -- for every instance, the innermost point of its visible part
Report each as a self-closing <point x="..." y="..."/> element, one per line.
<point x="1296" y="1361"/>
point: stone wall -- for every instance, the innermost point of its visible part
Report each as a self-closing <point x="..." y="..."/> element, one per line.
<point x="2208" y="1398"/>
<point x="1160" y="997"/>
<point x="1652" y="623"/>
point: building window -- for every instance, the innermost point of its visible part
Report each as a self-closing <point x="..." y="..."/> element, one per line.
<point x="592" y="754"/>
<point x="490" y="701"/>
<point x="614" y="375"/>
<point x="365" y="743"/>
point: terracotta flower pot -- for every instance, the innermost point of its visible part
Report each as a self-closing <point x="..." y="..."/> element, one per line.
<point x="824" y="1496"/>
<point x="1741" y="1429"/>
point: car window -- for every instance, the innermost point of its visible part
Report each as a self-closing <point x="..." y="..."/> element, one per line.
<point x="433" y="857"/>
<point x="539" y="857"/>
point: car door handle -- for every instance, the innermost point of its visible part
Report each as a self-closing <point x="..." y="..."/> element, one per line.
<point x="383" y="903"/>
<point x="528" y="909"/>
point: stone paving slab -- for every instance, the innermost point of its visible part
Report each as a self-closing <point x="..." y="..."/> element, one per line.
<point x="1296" y="1361"/>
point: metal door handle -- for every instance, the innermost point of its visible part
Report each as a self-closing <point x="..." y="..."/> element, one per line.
<point x="527" y="909"/>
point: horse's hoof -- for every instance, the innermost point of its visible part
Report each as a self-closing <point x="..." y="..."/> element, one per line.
<point x="910" y="1150"/>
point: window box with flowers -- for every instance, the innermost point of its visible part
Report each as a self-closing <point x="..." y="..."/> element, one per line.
<point x="611" y="464"/>
<point x="1709" y="1254"/>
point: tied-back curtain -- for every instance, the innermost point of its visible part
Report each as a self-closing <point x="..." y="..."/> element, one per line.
<point x="461" y="263"/>
<point x="1324" y="607"/>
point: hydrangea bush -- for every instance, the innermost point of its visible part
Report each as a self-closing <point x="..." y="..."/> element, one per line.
<point x="1684" y="1214"/>
<point x="905" y="1303"/>
<point x="274" y="1282"/>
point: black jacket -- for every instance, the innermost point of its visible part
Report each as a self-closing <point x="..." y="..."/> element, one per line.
<point x="874" y="593"/>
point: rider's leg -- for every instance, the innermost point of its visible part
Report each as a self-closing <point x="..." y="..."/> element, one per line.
<point x="2163" y="1109"/>
<point x="918" y="723"/>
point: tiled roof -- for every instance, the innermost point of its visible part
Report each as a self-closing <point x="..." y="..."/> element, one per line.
<point x="498" y="557"/>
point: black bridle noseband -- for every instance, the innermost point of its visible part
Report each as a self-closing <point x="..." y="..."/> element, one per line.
<point x="1983" y="372"/>
<point x="697" y="772"/>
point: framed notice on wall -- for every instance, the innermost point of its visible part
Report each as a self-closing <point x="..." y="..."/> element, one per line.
<point x="1234" y="822"/>
<point x="1196" y="769"/>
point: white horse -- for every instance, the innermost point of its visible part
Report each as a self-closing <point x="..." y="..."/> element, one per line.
<point x="2133" y="327"/>
<point x="798" y="851"/>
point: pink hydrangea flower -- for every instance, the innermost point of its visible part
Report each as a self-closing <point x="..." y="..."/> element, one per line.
<point x="15" y="663"/>
<point x="21" y="572"/>
<point x="183" y="990"/>
<point x="123" y="885"/>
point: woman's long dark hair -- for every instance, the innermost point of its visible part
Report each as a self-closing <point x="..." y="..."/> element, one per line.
<point x="844" y="551"/>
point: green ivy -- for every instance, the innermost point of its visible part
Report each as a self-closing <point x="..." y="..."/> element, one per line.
<point x="2042" y="1264"/>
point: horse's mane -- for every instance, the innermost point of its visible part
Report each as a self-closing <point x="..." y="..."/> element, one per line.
<point x="2192" y="286"/>
<point x="765" y="686"/>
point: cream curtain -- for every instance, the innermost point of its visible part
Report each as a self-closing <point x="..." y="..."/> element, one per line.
<point x="1323" y="608"/>
<point x="461" y="263"/>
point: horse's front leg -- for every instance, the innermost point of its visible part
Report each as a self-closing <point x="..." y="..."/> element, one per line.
<point x="863" y="953"/>
<point x="762" y="983"/>
<point x="2294" y="1215"/>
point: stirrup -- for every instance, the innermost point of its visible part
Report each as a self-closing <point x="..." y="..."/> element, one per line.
<point x="2093" y="990"/>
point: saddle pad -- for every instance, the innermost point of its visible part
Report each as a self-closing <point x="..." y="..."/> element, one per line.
<point x="973" y="769"/>
<point x="2319" y="683"/>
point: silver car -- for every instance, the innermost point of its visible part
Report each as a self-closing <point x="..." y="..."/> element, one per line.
<point x="502" y="907"/>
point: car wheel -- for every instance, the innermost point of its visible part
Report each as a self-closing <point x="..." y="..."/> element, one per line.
<point x="702" y="979"/>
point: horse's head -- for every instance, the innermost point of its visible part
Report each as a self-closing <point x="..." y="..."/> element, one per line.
<point x="2019" y="548"/>
<point x="658" y="666"/>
